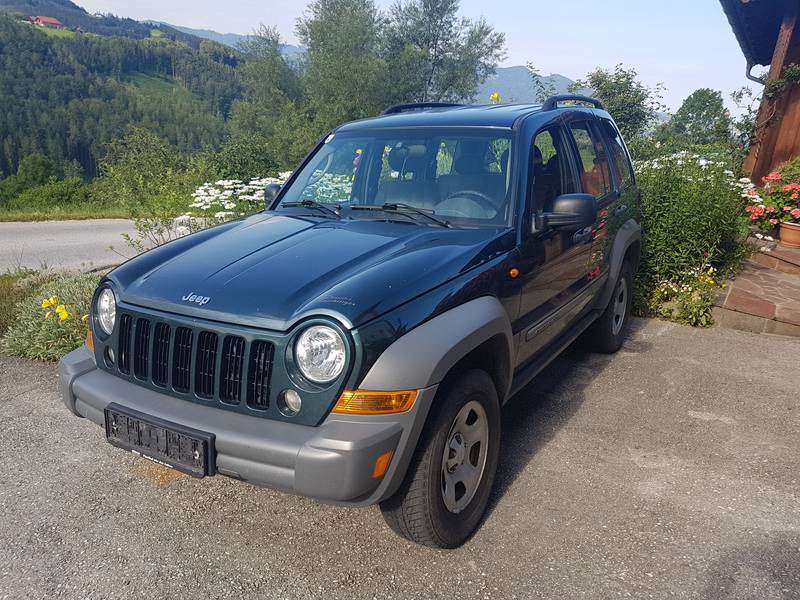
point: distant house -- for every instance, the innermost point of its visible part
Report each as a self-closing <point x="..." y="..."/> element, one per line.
<point x="768" y="31"/>
<point x="47" y="22"/>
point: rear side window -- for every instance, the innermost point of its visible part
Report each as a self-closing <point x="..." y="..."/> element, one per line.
<point x="616" y="147"/>
<point x="594" y="168"/>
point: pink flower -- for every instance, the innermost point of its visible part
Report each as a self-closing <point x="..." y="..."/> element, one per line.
<point x="774" y="221"/>
<point x="795" y="213"/>
<point x="774" y="176"/>
<point x="770" y="209"/>
<point x="795" y="196"/>
<point x="787" y="208"/>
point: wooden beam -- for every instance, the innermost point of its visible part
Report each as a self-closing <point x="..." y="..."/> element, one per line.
<point x="759" y="159"/>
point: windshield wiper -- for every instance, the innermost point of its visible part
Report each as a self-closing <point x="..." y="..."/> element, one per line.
<point x="334" y="213"/>
<point x="405" y="209"/>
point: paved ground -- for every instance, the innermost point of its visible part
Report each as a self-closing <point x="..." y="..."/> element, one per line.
<point x="63" y="244"/>
<point x="670" y="470"/>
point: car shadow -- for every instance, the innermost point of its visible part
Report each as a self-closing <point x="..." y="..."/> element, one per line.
<point x="533" y="416"/>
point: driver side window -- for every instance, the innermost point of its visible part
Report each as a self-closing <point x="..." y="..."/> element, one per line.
<point x="551" y="170"/>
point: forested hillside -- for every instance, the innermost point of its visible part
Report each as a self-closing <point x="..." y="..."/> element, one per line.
<point x="68" y="97"/>
<point x="74" y="17"/>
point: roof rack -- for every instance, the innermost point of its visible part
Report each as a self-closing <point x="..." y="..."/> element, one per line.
<point x="553" y="101"/>
<point x="399" y="108"/>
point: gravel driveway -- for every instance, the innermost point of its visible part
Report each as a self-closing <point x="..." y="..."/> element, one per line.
<point x="669" y="470"/>
<point x="63" y="244"/>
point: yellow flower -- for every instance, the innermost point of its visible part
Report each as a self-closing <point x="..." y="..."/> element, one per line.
<point x="51" y="301"/>
<point x="495" y="97"/>
<point x="84" y="318"/>
<point x="62" y="312"/>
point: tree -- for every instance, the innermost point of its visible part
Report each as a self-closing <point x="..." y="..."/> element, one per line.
<point x="434" y="55"/>
<point x="542" y="89"/>
<point x="344" y="73"/>
<point x="633" y="105"/>
<point x="701" y="119"/>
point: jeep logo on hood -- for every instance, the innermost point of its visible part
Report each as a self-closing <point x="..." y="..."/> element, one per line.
<point x="192" y="297"/>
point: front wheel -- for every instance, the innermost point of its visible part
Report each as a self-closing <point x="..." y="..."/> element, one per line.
<point x="447" y="487"/>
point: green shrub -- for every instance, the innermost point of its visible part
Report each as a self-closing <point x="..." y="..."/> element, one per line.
<point x="51" y="320"/>
<point x="691" y="223"/>
<point x="14" y="288"/>
<point x="51" y="195"/>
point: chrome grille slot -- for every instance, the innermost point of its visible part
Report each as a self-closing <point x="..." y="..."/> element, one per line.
<point x="141" y="348"/>
<point x="205" y="364"/>
<point x="182" y="360"/>
<point x="161" y="354"/>
<point x="258" y="374"/>
<point x="124" y="344"/>
<point x="230" y="387"/>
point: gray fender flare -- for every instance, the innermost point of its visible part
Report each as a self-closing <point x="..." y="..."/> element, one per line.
<point x="423" y="357"/>
<point x="628" y="234"/>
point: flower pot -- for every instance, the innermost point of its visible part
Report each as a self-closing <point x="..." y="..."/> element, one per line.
<point x="790" y="235"/>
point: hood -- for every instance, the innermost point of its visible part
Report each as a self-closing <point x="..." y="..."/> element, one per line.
<point x="273" y="270"/>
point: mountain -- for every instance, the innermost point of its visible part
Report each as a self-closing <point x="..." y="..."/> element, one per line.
<point x="76" y="18"/>
<point x="290" y="51"/>
<point x="514" y="84"/>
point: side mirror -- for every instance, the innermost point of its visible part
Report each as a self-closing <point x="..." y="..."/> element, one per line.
<point x="572" y="212"/>
<point x="270" y="193"/>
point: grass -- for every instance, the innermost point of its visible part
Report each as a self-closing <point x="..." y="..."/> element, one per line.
<point x="77" y="212"/>
<point x="15" y="287"/>
<point x="57" y="33"/>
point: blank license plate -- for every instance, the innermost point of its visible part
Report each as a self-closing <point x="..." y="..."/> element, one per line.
<point x="172" y="445"/>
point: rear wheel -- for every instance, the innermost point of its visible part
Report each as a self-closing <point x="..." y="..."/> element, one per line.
<point x="447" y="487"/>
<point x="608" y="332"/>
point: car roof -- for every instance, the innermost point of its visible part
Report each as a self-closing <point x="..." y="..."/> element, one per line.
<point x="472" y="115"/>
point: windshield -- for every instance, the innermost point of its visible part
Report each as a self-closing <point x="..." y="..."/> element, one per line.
<point x="458" y="174"/>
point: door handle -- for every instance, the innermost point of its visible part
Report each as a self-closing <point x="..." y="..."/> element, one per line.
<point x="584" y="235"/>
<point x="619" y="210"/>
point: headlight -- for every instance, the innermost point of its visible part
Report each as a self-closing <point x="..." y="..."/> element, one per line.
<point x="106" y="310"/>
<point x="320" y="353"/>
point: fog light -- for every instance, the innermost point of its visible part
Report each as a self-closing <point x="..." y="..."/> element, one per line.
<point x="289" y="403"/>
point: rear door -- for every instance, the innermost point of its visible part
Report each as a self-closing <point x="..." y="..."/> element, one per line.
<point x="596" y="178"/>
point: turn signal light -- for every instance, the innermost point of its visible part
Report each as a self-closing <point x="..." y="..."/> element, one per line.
<point x="382" y="464"/>
<point x="368" y="402"/>
<point x="90" y="339"/>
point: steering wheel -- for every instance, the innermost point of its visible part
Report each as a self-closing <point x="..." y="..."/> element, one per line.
<point x="483" y="200"/>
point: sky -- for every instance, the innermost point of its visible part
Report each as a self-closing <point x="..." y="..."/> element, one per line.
<point x="683" y="44"/>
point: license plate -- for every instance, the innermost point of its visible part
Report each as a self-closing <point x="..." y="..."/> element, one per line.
<point x="172" y="445"/>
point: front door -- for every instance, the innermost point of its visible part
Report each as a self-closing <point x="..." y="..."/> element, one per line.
<point x="552" y="262"/>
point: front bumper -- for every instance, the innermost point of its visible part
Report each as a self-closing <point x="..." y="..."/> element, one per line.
<point x="332" y="462"/>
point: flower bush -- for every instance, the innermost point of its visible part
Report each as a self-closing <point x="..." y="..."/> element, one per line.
<point x="53" y="319"/>
<point x="691" y="207"/>
<point x="231" y="198"/>
<point x="777" y="202"/>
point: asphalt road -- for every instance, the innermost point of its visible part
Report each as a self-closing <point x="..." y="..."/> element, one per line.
<point x="669" y="470"/>
<point x="63" y="244"/>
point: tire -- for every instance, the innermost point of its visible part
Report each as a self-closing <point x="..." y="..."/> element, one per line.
<point x="608" y="332"/>
<point x="419" y="510"/>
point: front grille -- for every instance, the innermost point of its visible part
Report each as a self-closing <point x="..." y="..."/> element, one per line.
<point x="193" y="362"/>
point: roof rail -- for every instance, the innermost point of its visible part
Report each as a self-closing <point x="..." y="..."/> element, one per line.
<point x="398" y="108"/>
<point x="553" y="101"/>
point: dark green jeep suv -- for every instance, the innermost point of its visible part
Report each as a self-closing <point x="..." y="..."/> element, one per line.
<point x="355" y="342"/>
